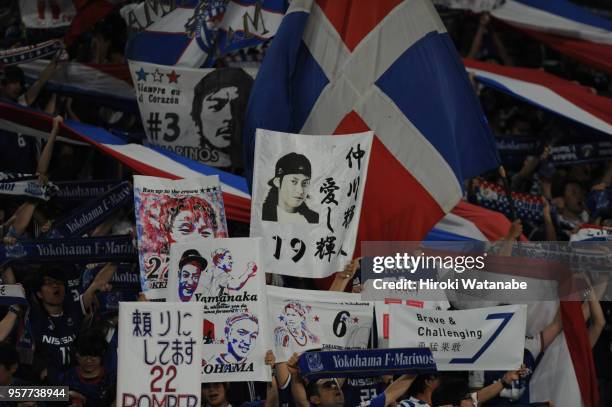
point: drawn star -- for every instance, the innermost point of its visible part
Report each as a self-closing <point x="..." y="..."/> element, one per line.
<point x="142" y="75"/>
<point x="222" y="341"/>
<point x="157" y="76"/>
<point x="355" y="320"/>
<point x="172" y="77"/>
<point x="316" y="318"/>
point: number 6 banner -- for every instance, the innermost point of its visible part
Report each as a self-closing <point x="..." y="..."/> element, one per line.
<point x="197" y="113"/>
<point x="159" y="355"/>
<point x="307" y="319"/>
<point x="477" y="339"/>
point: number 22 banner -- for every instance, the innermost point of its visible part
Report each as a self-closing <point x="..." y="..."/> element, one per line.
<point x="159" y="354"/>
<point x="197" y="113"/>
<point x="306" y="202"/>
<point x="170" y="211"/>
<point x="477" y="339"/>
<point x="306" y="319"/>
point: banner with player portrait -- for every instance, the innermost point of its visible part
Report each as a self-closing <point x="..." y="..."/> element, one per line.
<point x="490" y="338"/>
<point x="172" y="211"/>
<point x="306" y="202"/>
<point x="197" y="113"/>
<point x="159" y="350"/>
<point x="305" y="319"/>
<point x="223" y="276"/>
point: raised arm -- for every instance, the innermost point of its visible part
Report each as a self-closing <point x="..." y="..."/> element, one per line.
<point x="396" y="389"/>
<point x="549" y="333"/>
<point x="343" y="277"/>
<point x="272" y="389"/>
<point x="298" y="391"/>
<point x="598" y="320"/>
<point x="487" y="393"/>
<point x="100" y="283"/>
<point x="45" y="156"/>
<point x="32" y="94"/>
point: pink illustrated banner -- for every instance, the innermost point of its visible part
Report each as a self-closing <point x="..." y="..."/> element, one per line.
<point x="173" y="211"/>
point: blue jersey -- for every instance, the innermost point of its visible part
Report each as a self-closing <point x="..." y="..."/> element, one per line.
<point x="97" y="392"/>
<point x="17" y="153"/>
<point x="413" y="402"/>
<point x="360" y="390"/>
<point x="378" y="401"/>
<point x="518" y="392"/>
<point x="55" y="335"/>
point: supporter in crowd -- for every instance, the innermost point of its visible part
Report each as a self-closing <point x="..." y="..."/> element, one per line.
<point x="58" y="321"/>
<point x="89" y="381"/>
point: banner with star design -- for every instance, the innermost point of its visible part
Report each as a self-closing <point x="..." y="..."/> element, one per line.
<point x="197" y="113"/>
<point x="306" y="201"/>
<point x="171" y="211"/>
<point x="301" y="320"/>
<point x="223" y="275"/>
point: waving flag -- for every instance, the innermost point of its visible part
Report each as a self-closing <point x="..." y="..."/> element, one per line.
<point x="341" y="66"/>
<point x="566" y="27"/>
<point x="105" y="84"/>
<point x="196" y="32"/>
<point x="559" y="96"/>
<point x="143" y="160"/>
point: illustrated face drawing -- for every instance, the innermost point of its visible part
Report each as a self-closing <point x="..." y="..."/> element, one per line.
<point x="241" y="333"/>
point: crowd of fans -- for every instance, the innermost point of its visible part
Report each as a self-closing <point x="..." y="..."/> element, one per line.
<point x="64" y="338"/>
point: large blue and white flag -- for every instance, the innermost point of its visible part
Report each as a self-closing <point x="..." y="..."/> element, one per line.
<point x="193" y="33"/>
<point x="338" y="67"/>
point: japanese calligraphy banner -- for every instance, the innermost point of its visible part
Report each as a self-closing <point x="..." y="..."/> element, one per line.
<point x="306" y="319"/>
<point x="197" y="113"/>
<point x="159" y="354"/>
<point x="169" y="211"/>
<point x="223" y="277"/>
<point x="306" y="203"/>
<point x="477" y="339"/>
